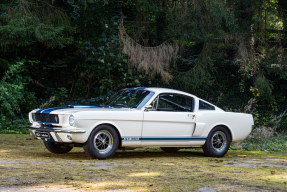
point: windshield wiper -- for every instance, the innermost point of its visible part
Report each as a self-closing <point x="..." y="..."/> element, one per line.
<point x="122" y="105"/>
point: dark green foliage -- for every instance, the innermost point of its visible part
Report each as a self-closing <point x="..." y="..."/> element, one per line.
<point x="199" y="21"/>
<point x="15" y="99"/>
<point x="102" y="68"/>
<point x="27" y="22"/>
<point x="273" y="143"/>
<point x="13" y="94"/>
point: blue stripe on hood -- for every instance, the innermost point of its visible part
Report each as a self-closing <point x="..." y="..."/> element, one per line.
<point x="40" y="110"/>
<point x="48" y="110"/>
<point x="81" y="106"/>
<point x="68" y="106"/>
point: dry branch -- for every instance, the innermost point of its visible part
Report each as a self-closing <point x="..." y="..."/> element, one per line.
<point x="150" y="60"/>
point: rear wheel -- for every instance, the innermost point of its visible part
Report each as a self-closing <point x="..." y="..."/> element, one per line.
<point x="170" y="149"/>
<point x="102" y="143"/>
<point x="57" y="147"/>
<point x="217" y="142"/>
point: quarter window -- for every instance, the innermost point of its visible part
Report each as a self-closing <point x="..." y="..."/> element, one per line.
<point x="205" y="106"/>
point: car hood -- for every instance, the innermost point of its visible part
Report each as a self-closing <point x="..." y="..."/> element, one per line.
<point x="70" y="109"/>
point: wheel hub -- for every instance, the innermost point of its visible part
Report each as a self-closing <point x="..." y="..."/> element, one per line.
<point x="103" y="141"/>
<point x="219" y="141"/>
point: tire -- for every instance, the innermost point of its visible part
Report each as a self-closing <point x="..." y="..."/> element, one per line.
<point x="170" y="149"/>
<point x="217" y="142"/>
<point x="102" y="143"/>
<point x="57" y="148"/>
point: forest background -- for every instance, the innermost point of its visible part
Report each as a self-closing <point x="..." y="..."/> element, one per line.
<point x="229" y="52"/>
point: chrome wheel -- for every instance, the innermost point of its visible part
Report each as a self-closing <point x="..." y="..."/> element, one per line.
<point x="219" y="141"/>
<point x="103" y="141"/>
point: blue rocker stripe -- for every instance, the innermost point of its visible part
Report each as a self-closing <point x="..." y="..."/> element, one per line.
<point x="165" y="139"/>
<point x="174" y="139"/>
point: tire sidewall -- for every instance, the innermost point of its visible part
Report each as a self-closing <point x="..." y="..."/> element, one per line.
<point x="208" y="144"/>
<point x="90" y="143"/>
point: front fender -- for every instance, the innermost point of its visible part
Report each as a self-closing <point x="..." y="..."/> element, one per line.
<point x="84" y="137"/>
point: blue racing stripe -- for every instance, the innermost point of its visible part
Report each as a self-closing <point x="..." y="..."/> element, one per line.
<point x="81" y="106"/>
<point x="50" y="110"/>
<point x="163" y="139"/>
<point x="40" y="110"/>
<point x="175" y="139"/>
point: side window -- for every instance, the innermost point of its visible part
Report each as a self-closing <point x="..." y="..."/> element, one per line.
<point x="173" y="102"/>
<point x="163" y="105"/>
<point x="205" y="106"/>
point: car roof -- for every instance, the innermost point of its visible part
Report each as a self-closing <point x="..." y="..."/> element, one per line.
<point x="162" y="90"/>
<point x="158" y="90"/>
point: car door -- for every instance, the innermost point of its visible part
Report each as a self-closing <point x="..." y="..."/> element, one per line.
<point x="171" y="122"/>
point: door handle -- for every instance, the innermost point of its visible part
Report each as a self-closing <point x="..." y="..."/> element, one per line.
<point x="191" y="115"/>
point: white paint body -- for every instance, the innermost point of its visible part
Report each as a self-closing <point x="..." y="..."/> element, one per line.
<point x="139" y="127"/>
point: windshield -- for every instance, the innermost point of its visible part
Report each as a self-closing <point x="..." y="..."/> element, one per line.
<point x="130" y="98"/>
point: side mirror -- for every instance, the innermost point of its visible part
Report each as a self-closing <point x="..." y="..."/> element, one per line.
<point x="148" y="107"/>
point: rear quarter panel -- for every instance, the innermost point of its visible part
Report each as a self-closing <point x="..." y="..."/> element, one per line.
<point x="239" y="124"/>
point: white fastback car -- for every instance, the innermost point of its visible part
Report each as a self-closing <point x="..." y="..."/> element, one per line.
<point x="140" y="117"/>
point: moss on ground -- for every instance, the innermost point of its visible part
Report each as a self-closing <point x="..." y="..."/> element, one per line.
<point x="26" y="164"/>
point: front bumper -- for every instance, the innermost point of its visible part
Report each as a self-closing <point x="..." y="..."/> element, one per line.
<point x="56" y="129"/>
<point x="58" y="134"/>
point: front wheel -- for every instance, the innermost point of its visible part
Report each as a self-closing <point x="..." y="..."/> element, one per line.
<point x="102" y="143"/>
<point x="217" y="142"/>
<point x="57" y="148"/>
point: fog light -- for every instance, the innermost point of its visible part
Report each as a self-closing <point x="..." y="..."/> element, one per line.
<point x="69" y="137"/>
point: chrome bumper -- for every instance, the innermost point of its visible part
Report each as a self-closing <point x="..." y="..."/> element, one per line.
<point x="56" y="129"/>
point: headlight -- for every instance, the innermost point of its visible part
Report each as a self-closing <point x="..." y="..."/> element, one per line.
<point x="71" y="120"/>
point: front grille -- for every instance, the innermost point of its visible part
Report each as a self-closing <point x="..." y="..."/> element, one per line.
<point x="45" y="118"/>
